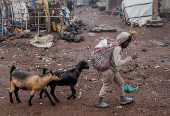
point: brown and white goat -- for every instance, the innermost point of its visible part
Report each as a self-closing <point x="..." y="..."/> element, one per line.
<point x="25" y="81"/>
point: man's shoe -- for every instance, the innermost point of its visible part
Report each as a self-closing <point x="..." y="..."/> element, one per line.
<point x="128" y="101"/>
<point x="102" y="105"/>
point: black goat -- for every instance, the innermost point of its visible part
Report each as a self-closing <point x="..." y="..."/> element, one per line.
<point x="68" y="78"/>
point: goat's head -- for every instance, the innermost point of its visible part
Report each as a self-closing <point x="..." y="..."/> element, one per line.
<point x="51" y="74"/>
<point x="54" y="77"/>
<point x="84" y="65"/>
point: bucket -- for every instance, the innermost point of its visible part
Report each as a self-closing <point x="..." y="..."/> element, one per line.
<point x="58" y="28"/>
<point x="54" y="26"/>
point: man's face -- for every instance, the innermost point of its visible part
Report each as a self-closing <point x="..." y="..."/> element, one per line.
<point x="125" y="44"/>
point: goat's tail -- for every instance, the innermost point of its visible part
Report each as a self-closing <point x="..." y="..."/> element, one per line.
<point x="11" y="71"/>
<point x="44" y="70"/>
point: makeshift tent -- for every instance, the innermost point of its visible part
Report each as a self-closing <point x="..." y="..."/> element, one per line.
<point x="138" y="11"/>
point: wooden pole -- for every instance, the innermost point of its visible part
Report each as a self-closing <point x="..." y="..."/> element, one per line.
<point x="26" y="17"/>
<point x="2" y="17"/>
<point x="38" y="23"/>
<point x="155" y="10"/>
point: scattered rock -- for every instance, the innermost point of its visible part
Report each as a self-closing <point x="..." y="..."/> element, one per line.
<point x="125" y="71"/>
<point x="145" y="67"/>
<point x="26" y="36"/>
<point x="136" y="65"/>
<point x="131" y="69"/>
<point x="144" y="77"/>
<point x="144" y="50"/>
<point x="1" y="39"/>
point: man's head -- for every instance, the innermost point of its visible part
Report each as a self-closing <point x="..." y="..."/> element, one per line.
<point x="126" y="43"/>
<point x="124" y="35"/>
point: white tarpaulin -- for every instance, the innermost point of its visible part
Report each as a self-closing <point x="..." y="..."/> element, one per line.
<point x="138" y="11"/>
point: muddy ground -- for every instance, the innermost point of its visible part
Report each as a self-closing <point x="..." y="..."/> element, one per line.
<point x="151" y="72"/>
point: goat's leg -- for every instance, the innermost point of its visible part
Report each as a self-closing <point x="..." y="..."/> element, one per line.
<point x="10" y="92"/>
<point x="73" y="92"/>
<point x="16" y="94"/>
<point x="10" y="95"/>
<point x="52" y="93"/>
<point x="45" y="91"/>
<point x="41" y="93"/>
<point x="32" y="95"/>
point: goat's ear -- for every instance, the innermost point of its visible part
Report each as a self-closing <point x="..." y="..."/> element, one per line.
<point x="82" y="61"/>
<point x="52" y="72"/>
<point x="44" y="70"/>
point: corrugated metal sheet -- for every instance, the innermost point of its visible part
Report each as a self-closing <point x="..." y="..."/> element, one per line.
<point x="101" y="0"/>
<point x="83" y="2"/>
<point x="86" y="2"/>
<point x="113" y="4"/>
<point x="80" y="2"/>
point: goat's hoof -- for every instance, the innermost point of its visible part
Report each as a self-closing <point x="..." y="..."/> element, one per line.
<point x="11" y="101"/>
<point x="30" y="104"/>
<point x="68" y="98"/>
<point x="57" y="101"/>
<point x="74" y="96"/>
<point x="19" y="101"/>
<point x="53" y="104"/>
<point x="40" y="96"/>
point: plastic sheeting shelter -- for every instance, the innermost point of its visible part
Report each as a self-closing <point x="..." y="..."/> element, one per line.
<point x="138" y="11"/>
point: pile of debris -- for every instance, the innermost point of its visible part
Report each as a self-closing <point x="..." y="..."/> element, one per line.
<point x="76" y="27"/>
<point x="2" y="38"/>
<point x="71" y="38"/>
<point x="71" y="32"/>
<point x="13" y="36"/>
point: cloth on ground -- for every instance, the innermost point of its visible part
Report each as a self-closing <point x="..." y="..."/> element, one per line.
<point x="45" y="41"/>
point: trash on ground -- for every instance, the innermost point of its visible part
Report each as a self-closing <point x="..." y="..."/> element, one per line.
<point x="134" y="32"/>
<point x="118" y="106"/>
<point x="91" y="34"/>
<point x="129" y="89"/>
<point x="2" y="97"/>
<point x="45" y="41"/>
<point x="80" y="94"/>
